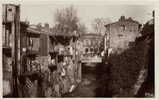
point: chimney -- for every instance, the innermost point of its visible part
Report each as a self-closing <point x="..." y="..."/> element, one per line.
<point x="122" y="18"/>
<point x="153" y="13"/>
<point x="46" y="26"/>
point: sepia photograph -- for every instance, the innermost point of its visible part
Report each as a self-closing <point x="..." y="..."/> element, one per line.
<point x="78" y="50"/>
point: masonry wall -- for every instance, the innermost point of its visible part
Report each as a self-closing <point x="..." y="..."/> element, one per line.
<point x="122" y="33"/>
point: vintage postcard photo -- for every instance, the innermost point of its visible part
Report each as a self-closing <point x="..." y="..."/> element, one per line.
<point x="78" y="50"/>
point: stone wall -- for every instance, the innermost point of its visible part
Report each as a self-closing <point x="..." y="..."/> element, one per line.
<point x="122" y="33"/>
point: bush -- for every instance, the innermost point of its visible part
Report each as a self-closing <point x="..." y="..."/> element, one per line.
<point x="125" y="69"/>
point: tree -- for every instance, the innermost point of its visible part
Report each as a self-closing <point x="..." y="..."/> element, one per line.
<point x="98" y="24"/>
<point x="82" y="29"/>
<point x="67" y="21"/>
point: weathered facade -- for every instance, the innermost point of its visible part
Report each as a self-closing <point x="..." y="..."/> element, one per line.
<point x="91" y="42"/>
<point x="11" y="48"/>
<point x="40" y="53"/>
<point x="122" y="32"/>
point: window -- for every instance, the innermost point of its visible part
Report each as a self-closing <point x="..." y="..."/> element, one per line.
<point x="10" y="9"/>
<point x="34" y="43"/>
<point x="86" y="50"/>
<point x="87" y="42"/>
<point x="123" y="27"/>
<point x="120" y="35"/>
<point x="91" y="49"/>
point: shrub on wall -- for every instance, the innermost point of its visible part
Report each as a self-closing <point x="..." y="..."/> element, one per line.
<point x="125" y="69"/>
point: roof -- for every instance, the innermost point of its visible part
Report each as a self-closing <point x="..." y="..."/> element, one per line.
<point x="123" y="21"/>
<point x="33" y="29"/>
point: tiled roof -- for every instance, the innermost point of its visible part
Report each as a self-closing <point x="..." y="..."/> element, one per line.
<point x="126" y="20"/>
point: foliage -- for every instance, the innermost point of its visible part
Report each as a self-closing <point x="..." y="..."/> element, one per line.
<point x="125" y="69"/>
<point x="67" y="21"/>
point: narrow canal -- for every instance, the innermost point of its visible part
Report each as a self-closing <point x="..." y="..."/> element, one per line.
<point x="94" y="82"/>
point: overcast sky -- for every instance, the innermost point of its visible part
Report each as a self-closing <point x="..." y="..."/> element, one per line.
<point x="43" y="13"/>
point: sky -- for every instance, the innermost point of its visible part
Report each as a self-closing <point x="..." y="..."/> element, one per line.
<point x="44" y="13"/>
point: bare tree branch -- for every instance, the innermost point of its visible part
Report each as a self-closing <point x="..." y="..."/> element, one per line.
<point x="66" y="20"/>
<point x="98" y="24"/>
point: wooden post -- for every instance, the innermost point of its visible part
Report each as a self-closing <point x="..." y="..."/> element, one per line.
<point x="106" y="45"/>
<point x="16" y="50"/>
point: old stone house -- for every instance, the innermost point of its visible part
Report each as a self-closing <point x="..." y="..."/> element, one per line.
<point x="122" y="32"/>
<point x="91" y="42"/>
